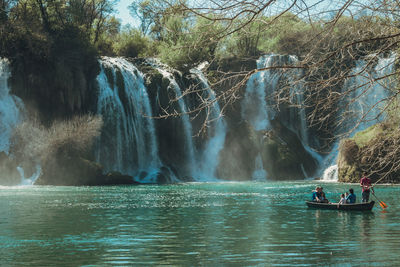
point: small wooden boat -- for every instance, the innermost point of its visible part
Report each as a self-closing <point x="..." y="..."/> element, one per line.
<point x="334" y="206"/>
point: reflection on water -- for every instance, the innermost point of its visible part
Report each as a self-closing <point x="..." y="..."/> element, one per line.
<point x="192" y="224"/>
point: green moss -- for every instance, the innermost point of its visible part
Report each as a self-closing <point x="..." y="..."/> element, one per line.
<point x="362" y="138"/>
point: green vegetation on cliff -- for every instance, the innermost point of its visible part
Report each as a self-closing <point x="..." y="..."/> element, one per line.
<point x="374" y="151"/>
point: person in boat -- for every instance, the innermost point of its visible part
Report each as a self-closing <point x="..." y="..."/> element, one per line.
<point x="323" y="196"/>
<point x="316" y="195"/>
<point x="365" y="183"/>
<point x="342" y="199"/>
<point x="351" y="198"/>
<point x="319" y="195"/>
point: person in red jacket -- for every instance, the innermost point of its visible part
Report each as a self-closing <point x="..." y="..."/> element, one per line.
<point x="365" y="183"/>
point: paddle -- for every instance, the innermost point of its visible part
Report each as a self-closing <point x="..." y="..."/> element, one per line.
<point x="381" y="203"/>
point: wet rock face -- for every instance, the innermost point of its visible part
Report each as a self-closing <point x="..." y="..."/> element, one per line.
<point x="56" y="88"/>
<point x="284" y="155"/>
<point x="170" y="131"/>
<point x="238" y="155"/>
<point x="9" y="174"/>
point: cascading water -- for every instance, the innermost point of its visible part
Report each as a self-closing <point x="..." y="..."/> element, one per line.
<point x="11" y="113"/>
<point x="10" y="106"/>
<point x="187" y="127"/>
<point x="259" y="173"/>
<point x="217" y="132"/>
<point x="258" y="107"/>
<point x="128" y="142"/>
<point x="29" y="180"/>
<point x="254" y="105"/>
<point x="363" y="104"/>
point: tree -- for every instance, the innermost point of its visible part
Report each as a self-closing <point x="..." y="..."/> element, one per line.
<point x="325" y="38"/>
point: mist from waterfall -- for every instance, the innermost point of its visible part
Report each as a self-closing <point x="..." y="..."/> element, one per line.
<point x="128" y="142"/>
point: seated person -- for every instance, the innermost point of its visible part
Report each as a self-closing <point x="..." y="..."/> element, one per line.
<point x="323" y="197"/>
<point x="342" y="199"/>
<point x="316" y="196"/>
<point x="351" y="198"/>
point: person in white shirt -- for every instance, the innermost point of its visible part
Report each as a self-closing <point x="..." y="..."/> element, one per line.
<point x="342" y="200"/>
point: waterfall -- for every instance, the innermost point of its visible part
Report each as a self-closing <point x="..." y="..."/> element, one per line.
<point x="216" y="132"/>
<point x="258" y="106"/>
<point x="187" y="126"/>
<point x="362" y="106"/>
<point x="330" y="173"/>
<point x="259" y="173"/>
<point x="29" y="180"/>
<point x="10" y="107"/>
<point x="128" y="142"/>
<point x="11" y="113"/>
<point x="254" y="104"/>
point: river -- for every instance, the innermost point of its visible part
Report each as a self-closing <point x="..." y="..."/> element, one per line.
<point x="193" y="224"/>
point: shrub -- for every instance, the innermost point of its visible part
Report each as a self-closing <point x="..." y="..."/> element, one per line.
<point x="132" y="43"/>
<point x="32" y="142"/>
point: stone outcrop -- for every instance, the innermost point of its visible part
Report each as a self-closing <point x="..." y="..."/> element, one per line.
<point x="372" y="151"/>
<point x="349" y="170"/>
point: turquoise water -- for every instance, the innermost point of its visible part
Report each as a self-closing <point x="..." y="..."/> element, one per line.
<point x="209" y="224"/>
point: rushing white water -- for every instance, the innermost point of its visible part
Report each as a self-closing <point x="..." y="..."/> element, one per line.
<point x="330" y="173"/>
<point x="363" y="105"/>
<point x="10" y="107"/>
<point x="29" y="180"/>
<point x="216" y="132"/>
<point x="260" y="85"/>
<point x="128" y="144"/>
<point x="365" y="97"/>
<point x="187" y="126"/>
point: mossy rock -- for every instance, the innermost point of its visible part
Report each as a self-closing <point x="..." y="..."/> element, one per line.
<point x="284" y="156"/>
<point x="356" y="154"/>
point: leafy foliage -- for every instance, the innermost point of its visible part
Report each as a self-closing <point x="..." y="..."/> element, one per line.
<point x="132" y="43"/>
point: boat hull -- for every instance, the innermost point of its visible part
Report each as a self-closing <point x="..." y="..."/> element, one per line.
<point x="334" y="206"/>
